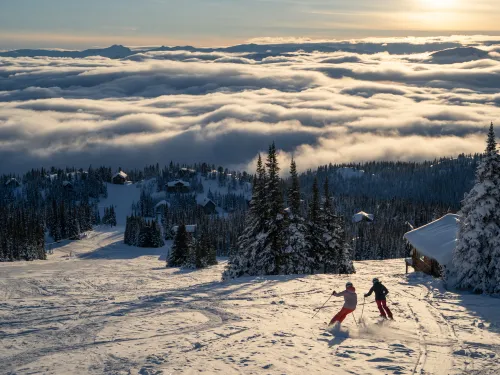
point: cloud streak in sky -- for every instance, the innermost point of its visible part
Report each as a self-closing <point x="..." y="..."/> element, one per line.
<point x="224" y="107"/>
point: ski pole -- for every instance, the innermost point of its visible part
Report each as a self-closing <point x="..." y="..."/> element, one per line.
<point x="322" y="306"/>
<point x="362" y="310"/>
<point x="355" y="319"/>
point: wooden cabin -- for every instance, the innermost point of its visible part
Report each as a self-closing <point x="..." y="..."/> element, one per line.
<point x="208" y="205"/>
<point x="186" y="173"/>
<point x="433" y="245"/>
<point x="120" y="178"/>
<point x="178" y="186"/>
<point x="67" y="186"/>
<point x="12" y="183"/>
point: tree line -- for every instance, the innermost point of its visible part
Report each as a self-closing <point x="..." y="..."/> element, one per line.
<point x="293" y="239"/>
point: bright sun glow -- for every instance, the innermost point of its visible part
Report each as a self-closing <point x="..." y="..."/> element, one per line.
<point x="440" y="4"/>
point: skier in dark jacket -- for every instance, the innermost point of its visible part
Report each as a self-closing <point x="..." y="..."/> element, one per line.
<point x="380" y="293"/>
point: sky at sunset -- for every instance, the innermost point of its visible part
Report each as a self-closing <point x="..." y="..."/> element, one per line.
<point x="328" y="81"/>
<point x="75" y="23"/>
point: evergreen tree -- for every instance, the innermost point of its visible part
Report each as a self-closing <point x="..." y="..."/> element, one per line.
<point x="477" y="255"/>
<point x="315" y="240"/>
<point x="73" y="225"/>
<point x="180" y="248"/>
<point x="294" y="191"/>
<point x="296" y="250"/>
<point x="338" y="254"/>
<point x="251" y="242"/>
<point x="271" y="259"/>
<point x="205" y="249"/>
<point x="259" y="196"/>
<point x="97" y="216"/>
<point x="145" y="234"/>
<point x="156" y="240"/>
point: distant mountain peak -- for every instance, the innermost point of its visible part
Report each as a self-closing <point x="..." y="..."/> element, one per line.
<point x="460" y="54"/>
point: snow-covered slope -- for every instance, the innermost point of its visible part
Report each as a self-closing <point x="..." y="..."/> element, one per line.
<point x="121" y="197"/>
<point x="114" y="309"/>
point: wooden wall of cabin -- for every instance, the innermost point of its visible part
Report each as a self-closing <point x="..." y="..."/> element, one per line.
<point x="425" y="264"/>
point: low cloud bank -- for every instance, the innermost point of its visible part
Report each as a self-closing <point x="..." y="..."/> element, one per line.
<point x="390" y="102"/>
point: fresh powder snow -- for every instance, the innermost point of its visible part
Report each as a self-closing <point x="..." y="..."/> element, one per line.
<point x="97" y="306"/>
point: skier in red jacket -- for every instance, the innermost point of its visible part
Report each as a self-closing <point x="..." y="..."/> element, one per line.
<point x="350" y="303"/>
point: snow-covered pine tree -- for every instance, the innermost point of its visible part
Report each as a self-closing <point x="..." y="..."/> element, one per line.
<point x="200" y="250"/>
<point x="112" y="216"/>
<point x="135" y="230"/>
<point x="476" y="260"/>
<point x="315" y="231"/>
<point x="338" y="253"/>
<point x="144" y="234"/>
<point x="105" y="217"/>
<point x="271" y="259"/>
<point x="156" y="239"/>
<point x="296" y="249"/>
<point x="63" y="224"/>
<point x="331" y="236"/>
<point x="96" y="216"/>
<point x="180" y="248"/>
<point x="53" y="222"/>
<point x="73" y="225"/>
<point x="212" y="250"/>
<point x="205" y="249"/>
<point x="251" y="241"/>
<point x="294" y="190"/>
<point x="190" y="262"/>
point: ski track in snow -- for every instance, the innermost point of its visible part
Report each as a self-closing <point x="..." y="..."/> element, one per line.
<point x="97" y="306"/>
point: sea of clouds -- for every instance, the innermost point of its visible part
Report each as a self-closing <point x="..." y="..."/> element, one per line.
<point x="375" y="100"/>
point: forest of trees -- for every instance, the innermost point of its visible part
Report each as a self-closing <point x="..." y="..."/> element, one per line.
<point x="283" y="240"/>
<point x="64" y="203"/>
<point x="59" y="203"/>
<point x="142" y="233"/>
<point x="398" y="194"/>
<point x="193" y="251"/>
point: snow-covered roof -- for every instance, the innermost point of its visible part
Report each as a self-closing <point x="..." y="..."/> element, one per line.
<point x="66" y="183"/>
<point x="175" y="182"/>
<point x="361" y="215"/>
<point x="436" y="240"/>
<point x="121" y="174"/>
<point x="189" y="228"/>
<point x="162" y="203"/>
<point x="12" y="181"/>
<point x="203" y="201"/>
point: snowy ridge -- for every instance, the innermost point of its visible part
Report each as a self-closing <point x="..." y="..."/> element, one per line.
<point x="114" y="309"/>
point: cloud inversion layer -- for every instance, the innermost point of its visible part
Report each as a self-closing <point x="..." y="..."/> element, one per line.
<point x="224" y="107"/>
